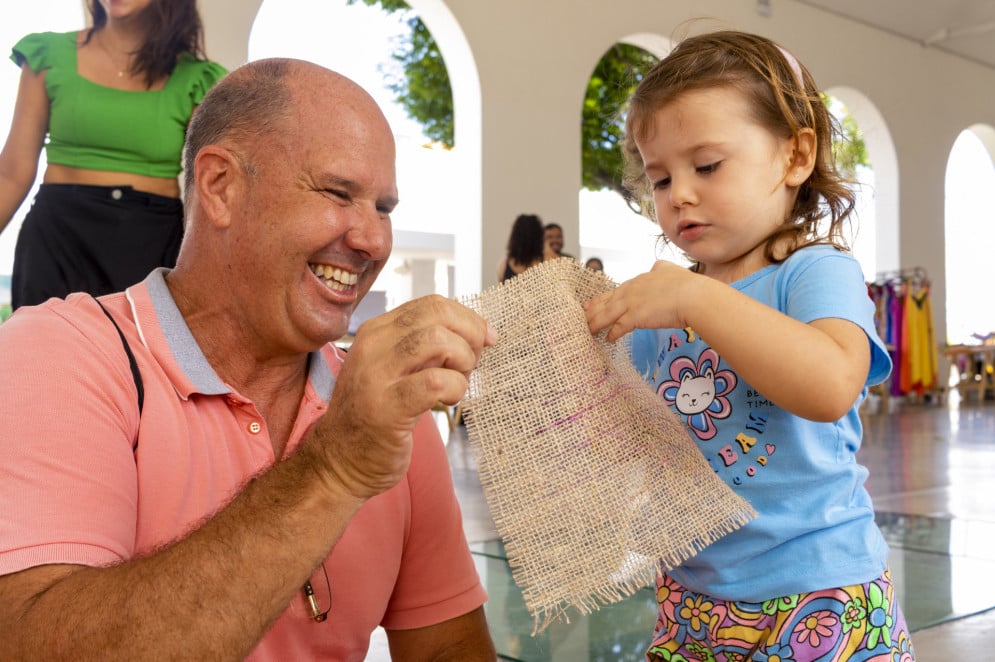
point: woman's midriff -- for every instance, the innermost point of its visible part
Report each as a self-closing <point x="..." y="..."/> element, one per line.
<point x="60" y="174"/>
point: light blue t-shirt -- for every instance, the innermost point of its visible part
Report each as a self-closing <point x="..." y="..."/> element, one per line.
<point x="815" y="528"/>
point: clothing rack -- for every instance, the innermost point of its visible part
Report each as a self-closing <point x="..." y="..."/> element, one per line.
<point x="904" y="319"/>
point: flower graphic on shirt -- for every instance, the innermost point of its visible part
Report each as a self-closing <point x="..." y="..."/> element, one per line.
<point x="668" y="596"/>
<point x="879" y="616"/>
<point x="698" y="391"/>
<point x="904" y="652"/>
<point x="853" y="614"/>
<point x="661" y="654"/>
<point x="815" y="627"/>
<point x="787" y="603"/>
<point x="696" y="614"/>
<point x="780" y="653"/>
<point x="700" y="651"/>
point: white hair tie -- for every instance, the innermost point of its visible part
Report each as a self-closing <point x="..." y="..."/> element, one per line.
<point x="795" y="67"/>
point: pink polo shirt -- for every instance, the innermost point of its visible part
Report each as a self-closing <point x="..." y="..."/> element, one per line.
<point x="72" y="489"/>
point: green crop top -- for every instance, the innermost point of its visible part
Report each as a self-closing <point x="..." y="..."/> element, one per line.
<point x="100" y="128"/>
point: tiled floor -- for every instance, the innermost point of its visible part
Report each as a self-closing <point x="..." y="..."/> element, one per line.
<point x="932" y="468"/>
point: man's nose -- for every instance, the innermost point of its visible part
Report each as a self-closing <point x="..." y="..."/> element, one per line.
<point x="371" y="233"/>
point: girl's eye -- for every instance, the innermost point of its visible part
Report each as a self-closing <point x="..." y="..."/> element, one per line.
<point x="661" y="183"/>
<point x="707" y="169"/>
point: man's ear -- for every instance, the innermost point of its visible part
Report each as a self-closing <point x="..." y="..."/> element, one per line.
<point x="217" y="176"/>
<point x="804" y="147"/>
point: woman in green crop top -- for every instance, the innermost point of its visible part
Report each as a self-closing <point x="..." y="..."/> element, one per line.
<point x="110" y="106"/>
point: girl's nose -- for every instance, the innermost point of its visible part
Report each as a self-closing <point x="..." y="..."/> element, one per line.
<point x="681" y="192"/>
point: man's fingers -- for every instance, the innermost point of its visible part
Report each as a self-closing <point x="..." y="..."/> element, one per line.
<point x="436" y="310"/>
<point x="420" y="391"/>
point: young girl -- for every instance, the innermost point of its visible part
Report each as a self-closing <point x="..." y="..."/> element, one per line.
<point x="765" y="348"/>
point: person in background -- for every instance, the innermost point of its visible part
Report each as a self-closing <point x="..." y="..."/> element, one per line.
<point x="525" y="249"/>
<point x="594" y="264"/>
<point x="765" y="348"/>
<point x="554" y="240"/>
<point x="241" y="488"/>
<point x="114" y="101"/>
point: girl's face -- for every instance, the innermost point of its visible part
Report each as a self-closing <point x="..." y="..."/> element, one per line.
<point x="722" y="183"/>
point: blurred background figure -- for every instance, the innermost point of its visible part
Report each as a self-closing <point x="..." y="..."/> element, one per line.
<point x="554" y="240"/>
<point x="594" y="264"/>
<point x="526" y="247"/>
<point x="113" y="101"/>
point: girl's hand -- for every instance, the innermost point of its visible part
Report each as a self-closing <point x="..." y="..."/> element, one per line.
<point x="648" y="301"/>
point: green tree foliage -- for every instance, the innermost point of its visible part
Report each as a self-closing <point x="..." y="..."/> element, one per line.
<point x="615" y="77"/>
<point x="423" y="91"/>
<point x="849" y="149"/>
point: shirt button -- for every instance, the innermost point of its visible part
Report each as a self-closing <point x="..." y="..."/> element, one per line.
<point x="117" y="194"/>
<point x="255" y="427"/>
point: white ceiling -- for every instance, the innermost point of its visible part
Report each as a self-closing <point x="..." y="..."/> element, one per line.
<point x="965" y="28"/>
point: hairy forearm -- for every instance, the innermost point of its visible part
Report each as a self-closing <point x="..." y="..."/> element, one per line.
<point x="210" y="595"/>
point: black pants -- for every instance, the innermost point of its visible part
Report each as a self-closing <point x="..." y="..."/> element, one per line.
<point x="95" y="239"/>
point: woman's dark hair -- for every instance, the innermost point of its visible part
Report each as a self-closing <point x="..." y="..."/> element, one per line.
<point x="171" y="28"/>
<point x="785" y="101"/>
<point x="527" y="243"/>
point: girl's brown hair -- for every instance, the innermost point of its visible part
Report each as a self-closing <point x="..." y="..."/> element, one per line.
<point x="785" y="101"/>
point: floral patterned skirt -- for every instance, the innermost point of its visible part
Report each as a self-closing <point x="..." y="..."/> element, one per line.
<point x="859" y="623"/>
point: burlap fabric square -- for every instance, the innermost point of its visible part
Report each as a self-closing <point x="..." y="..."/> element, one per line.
<point x="591" y="480"/>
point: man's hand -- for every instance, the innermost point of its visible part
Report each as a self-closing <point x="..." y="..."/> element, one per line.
<point x="399" y="365"/>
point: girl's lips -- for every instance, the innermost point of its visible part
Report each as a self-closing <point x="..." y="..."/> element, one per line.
<point x="690" y="230"/>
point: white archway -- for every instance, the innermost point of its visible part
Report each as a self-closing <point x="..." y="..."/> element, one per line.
<point x="884" y="188"/>
<point x="969" y="234"/>
<point x="467" y="175"/>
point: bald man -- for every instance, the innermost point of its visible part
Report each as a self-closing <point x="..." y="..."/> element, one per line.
<point x="213" y="479"/>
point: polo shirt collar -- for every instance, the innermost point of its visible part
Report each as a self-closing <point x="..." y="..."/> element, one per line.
<point x="189" y="358"/>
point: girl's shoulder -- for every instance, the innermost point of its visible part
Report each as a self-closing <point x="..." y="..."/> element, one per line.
<point x="43" y="50"/>
<point x="805" y="257"/>
<point x="196" y="76"/>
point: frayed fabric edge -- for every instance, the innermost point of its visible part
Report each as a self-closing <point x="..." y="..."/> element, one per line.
<point x="544" y="615"/>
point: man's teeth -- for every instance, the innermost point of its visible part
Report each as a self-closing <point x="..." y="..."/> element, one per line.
<point x="335" y="278"/>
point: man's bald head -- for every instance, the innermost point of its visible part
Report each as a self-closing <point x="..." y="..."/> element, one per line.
<point x="260" y="98"/>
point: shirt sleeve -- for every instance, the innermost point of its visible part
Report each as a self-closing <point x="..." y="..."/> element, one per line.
<point x="438" y="580"/>
<point x="35" y="49"/>
<point x="205" y="75"/>
<point x="832" y="285"/>
<point x="67" y="471"/>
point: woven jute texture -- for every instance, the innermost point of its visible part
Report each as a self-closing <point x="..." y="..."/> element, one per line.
<point x="591" y="480"/>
